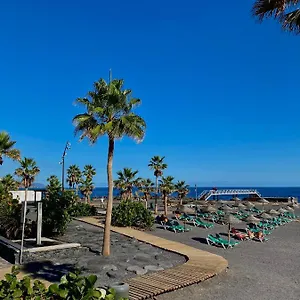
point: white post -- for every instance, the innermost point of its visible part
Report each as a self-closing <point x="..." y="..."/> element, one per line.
<point x="23" y="227"/>
<point x="39" y="223"/>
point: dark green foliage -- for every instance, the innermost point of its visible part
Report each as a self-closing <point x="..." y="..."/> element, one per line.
<point x="80" y="209"/>
<point x="59" y="208"/>
<point x="10" y="219"/>
<point x="71" y="286"/>
<point x="130" y="213"/>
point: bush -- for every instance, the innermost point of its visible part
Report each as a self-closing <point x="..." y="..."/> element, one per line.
<point x="71" y="286"/>
<point x="131" y="213"/>
<point x="80" y="209"/>
<point x="10" y="219"/>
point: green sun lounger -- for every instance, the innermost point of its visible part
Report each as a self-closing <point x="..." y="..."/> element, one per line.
<point x="198" y="222"/>
<point x="212" y="240"/>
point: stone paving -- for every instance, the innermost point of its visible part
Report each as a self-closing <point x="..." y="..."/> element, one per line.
<point x="129" y="257"/>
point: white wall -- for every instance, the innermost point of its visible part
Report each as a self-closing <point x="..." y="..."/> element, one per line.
<point x="31" y="195"/>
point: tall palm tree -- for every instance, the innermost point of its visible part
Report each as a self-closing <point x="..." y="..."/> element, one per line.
<point x="286" y="11"/>
<point x="126" y="181"/>
<point x="87" y="185"/>
<point x="27" y="171"/>
<point x="146" y="186"/>
<point x="166" y="186"/>
<point x="7" y="147"/>
<point x="73" y="177"/>
<point x="157" y="164"/>
<point x="9" y="183"/>
<point x="182" y="190"/>
<point x="109" y="111"/>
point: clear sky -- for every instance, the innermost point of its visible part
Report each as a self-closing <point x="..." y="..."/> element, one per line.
<point x="220" y="92"/>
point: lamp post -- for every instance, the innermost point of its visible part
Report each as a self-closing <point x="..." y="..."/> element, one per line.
<point x="67" y="147"/>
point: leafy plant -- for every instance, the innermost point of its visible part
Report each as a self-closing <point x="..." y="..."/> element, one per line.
<point x="82" y="210"/>
<point x="130" y="213"/>
<point x="87" y="185"/>
<point x="72" y="286"/>
<point x="56" y="208"/>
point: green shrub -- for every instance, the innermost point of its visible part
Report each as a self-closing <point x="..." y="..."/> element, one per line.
<point x="71" y="286"/>
<point x="10" y="219"/>
<point x="80" y="209"/>
<point x="131" y="213"/>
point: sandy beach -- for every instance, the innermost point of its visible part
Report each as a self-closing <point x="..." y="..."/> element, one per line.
<point x="263" y="271"/>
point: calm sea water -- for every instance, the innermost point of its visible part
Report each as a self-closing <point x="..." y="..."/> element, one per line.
<point x="265" y="191"/>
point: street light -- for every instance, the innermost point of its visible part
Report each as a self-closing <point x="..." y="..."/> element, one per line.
<point x="67" y="147"/>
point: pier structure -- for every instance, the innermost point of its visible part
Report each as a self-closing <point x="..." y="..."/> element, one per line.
<point x="205" y="195"/>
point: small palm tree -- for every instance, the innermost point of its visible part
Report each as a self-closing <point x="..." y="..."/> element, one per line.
<point x="87" y="185"/>
<point x="146" y="186"/>
<point x="109" y="111"/>
<point x="157" y="164"/>
<point x="182" y="190"/>
<point x="89" y="172"/>
<point x="27" y="171"/>
<point x="9" y="183"/>
<point x="86" y="188"/>
<point x="286" y="11"/>
<point x="126" y="181"/>
<point x="7" y="147"/>
<point x="74" y="177"/>
<point x="166" y="187"/>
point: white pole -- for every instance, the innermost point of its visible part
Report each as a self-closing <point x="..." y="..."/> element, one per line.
<point x="23" y="228"/>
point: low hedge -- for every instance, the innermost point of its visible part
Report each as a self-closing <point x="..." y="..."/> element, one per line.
<point x="71" y="286"/>
<point x="132" y="213"/>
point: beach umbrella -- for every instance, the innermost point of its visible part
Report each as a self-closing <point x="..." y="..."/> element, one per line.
<point x="252" y="219"/>
<point x="236" y="199"/>
<point x="282" y="210"/>
<point x="230" y="219"/>
<point x="249" y="204"/>
<point x="273" y="212"/>
<point x="263" y="201"/>
<point x="210" y="209"/>
<point x="265" y="216"/>
<point x="291" y="210"/>
<point x="241" y="206"/>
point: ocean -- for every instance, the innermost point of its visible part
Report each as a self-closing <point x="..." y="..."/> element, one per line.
<point x="264" y="191"/>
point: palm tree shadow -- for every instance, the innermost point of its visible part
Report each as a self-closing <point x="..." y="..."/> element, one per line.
<point x="200" y="239"/>
<point x="47" y="270"/>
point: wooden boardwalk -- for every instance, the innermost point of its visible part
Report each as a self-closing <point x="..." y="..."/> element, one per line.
<point x="200" y="265"/>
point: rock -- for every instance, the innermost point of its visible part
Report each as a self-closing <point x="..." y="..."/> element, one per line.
<point x="110" y="267"/>
<point x="165" y="265"/>
<point x="112" y="274"/>
<point x="143" y="257"/>
<point x="153" y="268"/>
<point x="137" y="270"/>
<point x="144" y="247"/>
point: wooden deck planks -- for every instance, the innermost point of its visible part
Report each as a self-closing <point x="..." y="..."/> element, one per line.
<point x="200" y="266"/>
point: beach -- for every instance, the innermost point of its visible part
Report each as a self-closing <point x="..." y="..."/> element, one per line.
<point x="263" y="271"/>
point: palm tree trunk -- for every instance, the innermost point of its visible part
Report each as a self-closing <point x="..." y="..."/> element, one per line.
<point x="166" y="204"/>
<point x="180" y="200"/>
<point x="156" y="196"/>
<point x="106" y="239"/>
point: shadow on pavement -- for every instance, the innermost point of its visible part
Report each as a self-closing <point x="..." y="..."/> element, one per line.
<point x="47" y="270"/>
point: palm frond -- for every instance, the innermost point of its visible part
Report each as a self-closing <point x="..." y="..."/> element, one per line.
<point x="269" y="8"/>
<point x="291" y="21"/>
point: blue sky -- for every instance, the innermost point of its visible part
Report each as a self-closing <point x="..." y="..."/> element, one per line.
<point x="219" y="91"/>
